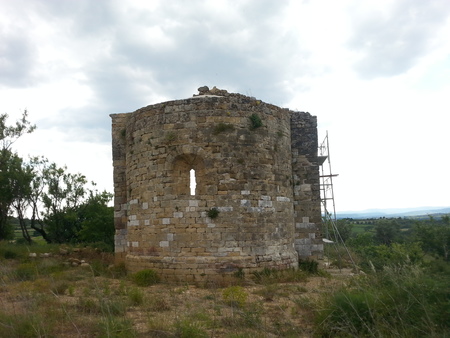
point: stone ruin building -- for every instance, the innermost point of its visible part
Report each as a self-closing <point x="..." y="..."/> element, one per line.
<point x="215" y="184"/>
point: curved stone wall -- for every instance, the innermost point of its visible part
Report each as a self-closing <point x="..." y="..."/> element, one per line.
<point x="244" y="177"/>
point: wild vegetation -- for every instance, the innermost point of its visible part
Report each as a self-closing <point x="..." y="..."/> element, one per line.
<point x="43" y="293"/>
<point x="57" y="277"/>
<point x="46" y="199"/>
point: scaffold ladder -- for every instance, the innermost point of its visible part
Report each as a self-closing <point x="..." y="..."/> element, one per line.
<point x="331" y="233"/>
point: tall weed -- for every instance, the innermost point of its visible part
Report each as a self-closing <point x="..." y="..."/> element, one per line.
<point x="398" y="301"/>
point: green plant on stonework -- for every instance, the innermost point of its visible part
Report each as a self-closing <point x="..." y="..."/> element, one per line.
<point x="145" y="277"/>
<point x="255" y="121"/>
<point x="213" y="213"/>
<point x="235" y="296"/>
<point x="170" y="137"/>
<point x="222" y="127"/>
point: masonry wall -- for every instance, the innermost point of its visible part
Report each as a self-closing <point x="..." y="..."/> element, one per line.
<point x="246" y="173"/>
<point x="305" y="170"/>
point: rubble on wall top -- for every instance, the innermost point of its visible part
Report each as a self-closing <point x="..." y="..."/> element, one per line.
<point x="205" y="91"/>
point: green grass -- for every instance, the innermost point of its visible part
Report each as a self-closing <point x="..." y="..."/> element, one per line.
<point x="397" y="302"/>
<point x="43" y="297"/>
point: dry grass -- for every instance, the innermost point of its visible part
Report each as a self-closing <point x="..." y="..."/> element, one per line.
<point x="43" y="297"/>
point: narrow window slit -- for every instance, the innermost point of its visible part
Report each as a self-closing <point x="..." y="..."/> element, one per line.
<point x="192" y="181"/>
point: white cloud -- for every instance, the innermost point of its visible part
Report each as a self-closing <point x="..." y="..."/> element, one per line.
<point x="375" y="73"/>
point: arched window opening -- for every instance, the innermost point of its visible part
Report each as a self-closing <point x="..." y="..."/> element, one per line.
<point x="192" y="181"/>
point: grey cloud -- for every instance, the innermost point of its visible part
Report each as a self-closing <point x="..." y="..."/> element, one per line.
<point x="248" y="55"/>
<point x="85" y="17"/>
<point x="391" y="44"/>
<point x="17" y="59"/>
<point x="213" y="49"/>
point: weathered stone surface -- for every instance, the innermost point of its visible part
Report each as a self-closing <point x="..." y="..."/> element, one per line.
<point x="264" y="183"/>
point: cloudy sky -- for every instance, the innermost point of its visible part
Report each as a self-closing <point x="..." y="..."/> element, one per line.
<point x="376" y="73"/>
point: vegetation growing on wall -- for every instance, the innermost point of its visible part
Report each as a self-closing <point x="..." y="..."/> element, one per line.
<point x="222" y="128"/>
<point x="213" y="213"/>
<point x="255" y="121"/>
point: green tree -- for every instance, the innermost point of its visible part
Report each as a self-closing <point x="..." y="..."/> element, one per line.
<point x="22" y="191"/>
<point x="63" y="195"/>
<point x="387" y="231"/>
<point x="38" y="165"/>
<point x="434" y="238"/>
<point x="13" y="177"/>
<point x="97" y="220"/>
<point x="338" y="231"/>
<point x="345" y="228"/>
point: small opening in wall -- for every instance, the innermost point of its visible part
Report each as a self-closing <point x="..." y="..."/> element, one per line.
<point x="192" y="181"/>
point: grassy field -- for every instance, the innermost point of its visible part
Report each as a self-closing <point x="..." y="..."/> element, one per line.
<point x="54" y="291"/>
<point x="53" y="295"/>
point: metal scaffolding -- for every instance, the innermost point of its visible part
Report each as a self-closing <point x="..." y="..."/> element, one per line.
<point x="331" y="233"/>
<point x="326" y="189"/>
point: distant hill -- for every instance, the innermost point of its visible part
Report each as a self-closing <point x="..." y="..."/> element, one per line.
<point x="402" y="212"/>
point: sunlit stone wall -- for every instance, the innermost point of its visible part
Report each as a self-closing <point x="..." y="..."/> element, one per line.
<point x="256" y="202"/>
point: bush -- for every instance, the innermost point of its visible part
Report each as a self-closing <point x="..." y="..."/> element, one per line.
<point x="213" y="213"/>
<point x="255" y="121"/>
<point x="235" y="296"/>
<point x="145" y="277"/>
<point x="8" y="254"/>
<point x="398" y="301"/>
<point x="26" y="271"/>
<point x="135" y="296"/>
<point x="279" y="276"/>
<point x="379" y="256"/>
<point x="309" y="265"/>
<point x="222" y="127"/>
<point x="190" y="329"/>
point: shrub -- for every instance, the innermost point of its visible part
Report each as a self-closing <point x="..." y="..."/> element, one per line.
<point x="268" y="292"/>
<point x="145" y="277"/>
<point x="309" y="265"/>
<point x="213" y="213"/>
<point x="398" y="301"/>
<point x="135" y="296"/>
<point x="222" y="127"/>
<point x="158" y="304"/>
<point x="267" y="275"/>
<point x="26" y="271"/>
<point x="116" y="327"/>
<point x="8" y="254"/>
<point x="190" y="329"/>
<point x="255" y="121"/>
<point x="235" y="296"/>
<point x="118" y="270"/>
